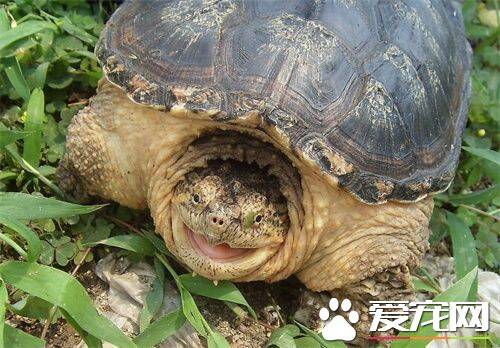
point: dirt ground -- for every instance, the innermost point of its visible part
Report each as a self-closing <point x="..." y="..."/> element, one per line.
<point x="273" y="303"/>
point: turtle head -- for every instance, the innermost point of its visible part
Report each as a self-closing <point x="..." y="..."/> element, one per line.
<point x="229" y="210"/>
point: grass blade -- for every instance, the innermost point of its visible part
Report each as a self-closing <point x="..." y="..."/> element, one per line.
<point x="307" y="342"/>
<point x="191" y="311"/>
<point x="4" y="298"/>
<point x="64" y="291"/>
<point x="35" y="308"/>
<point x="224" y="291"/>
<point x="72" y="29"/>
<point x="320" y="339"/>
<point x="487" y="154"/>
<point x="40" y="75"/>
<point x="162" y="328"/>
<point x="464" y="249"/>
<point x="154" y="298"/>
<point x="8" y="136"/>
<point x="22" y="30"/>
<point x="216" y="340"/>
<point x="90" y="341"/>
<point x="12" y="150"/>
<point x="15" y="338"/>
<point x="28" y="207"/>
<point x="13" y="245"/>
<point x="4" y="21"/>
<point x="189" y="308"/>
<point x="34" y="243"/>
<point x="458" y="292"/>
<point x="283" y="337"/>
<point x="32" y="151"/>
<point x="130" y="242"/>
<point x="156" y="241"/>
<point x="16" y="77"/>
<point x="476" y="197"/>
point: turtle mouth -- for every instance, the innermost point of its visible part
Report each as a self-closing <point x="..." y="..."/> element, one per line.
<point x="233" y="257"/>
<point x="221" y="252"/>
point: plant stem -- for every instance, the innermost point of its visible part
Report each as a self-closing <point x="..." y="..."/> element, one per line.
<point x="29" y="168"/>
<point x="14" y="245"/>
<point x="479" y="211"/>
<point x="123" y="223"/>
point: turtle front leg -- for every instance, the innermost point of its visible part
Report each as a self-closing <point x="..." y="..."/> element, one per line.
<point x="368" y="252"/>
<point x="394" y="284"/>
<point x="102" y="157"/>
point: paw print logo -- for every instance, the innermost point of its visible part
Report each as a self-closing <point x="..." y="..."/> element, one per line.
<point x="338" y="328"/>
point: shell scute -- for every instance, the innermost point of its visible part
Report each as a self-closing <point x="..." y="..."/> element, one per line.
<point x="374" y="93"/>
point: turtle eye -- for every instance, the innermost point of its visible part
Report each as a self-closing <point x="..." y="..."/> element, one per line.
<point x="196" y="198"/>
<point x="258" y="218"/>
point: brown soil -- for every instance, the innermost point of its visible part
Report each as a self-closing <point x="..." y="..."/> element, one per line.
<point x="273" y="303"/>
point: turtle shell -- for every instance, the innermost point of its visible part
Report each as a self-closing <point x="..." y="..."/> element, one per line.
<point x="373" y="92"/>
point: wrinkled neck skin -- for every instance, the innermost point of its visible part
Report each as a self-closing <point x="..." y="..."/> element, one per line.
<point x="334" y="240"/>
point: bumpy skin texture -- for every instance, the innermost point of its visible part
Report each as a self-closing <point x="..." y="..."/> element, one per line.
<point x="138" y="156"/>
<point x="230" y="202"/>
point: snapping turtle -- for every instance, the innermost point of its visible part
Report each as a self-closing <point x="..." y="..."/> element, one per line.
<point x="271" y="138"/>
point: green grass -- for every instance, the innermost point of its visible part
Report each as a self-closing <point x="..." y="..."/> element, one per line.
<point x="47" y="73"/>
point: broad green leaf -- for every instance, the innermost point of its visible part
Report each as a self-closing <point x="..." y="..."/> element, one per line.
<point x="15" y="338"/>
<point x="28" y="207"/>
<point x="8" y="136"/>
<point x="154" y="299"/>
<point x="224" y="290"/>
<point x="159" y="330"/>
<point x="192" y="313"/>
<point x="34" y="307"/>
<point x="39" y="76"/>
<point x="420" y="285"/>
<point x="35" y="118"/>
<point x="22" y="30"/>
<point x="16" y="77"/>
<point x="157" y="242"/>
<point x="284" y="336"/>
<point x="464" y="249"/>
<point x="90" y="341"/>
<point x="63" y="290"/>
<point x="189" y="308"/>
<point x="4" y="21"/>
<point x="34" y="243"/>
<point x="487" y="154"/>
<point x="132" y="242"/>
<point x="458" y="292"/>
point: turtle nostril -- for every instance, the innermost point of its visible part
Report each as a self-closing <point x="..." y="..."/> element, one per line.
<point x="216" y="220"/>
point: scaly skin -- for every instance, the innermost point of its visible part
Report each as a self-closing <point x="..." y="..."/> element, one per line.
<point x="233" y="203"/>
<point x="137" y="156"/>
